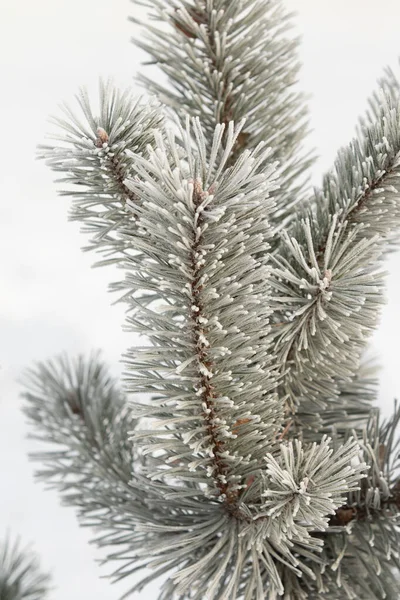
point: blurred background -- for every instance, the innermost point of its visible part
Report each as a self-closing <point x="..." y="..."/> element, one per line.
<point x="51" y="300"/>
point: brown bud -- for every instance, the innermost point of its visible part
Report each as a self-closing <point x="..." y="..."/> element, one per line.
<point x="198" y="192"/>
<point x="212" y="189"/>
<point x="102" y="137"/>
<point x="74" y="403"/>
<point x="238" y="423"/>
<point x="242" y="140"/>
<point x="344" y="515"/>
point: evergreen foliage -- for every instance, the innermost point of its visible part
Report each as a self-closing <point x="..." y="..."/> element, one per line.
<point x="243" y="458"/>
<point x="20" y="575"/>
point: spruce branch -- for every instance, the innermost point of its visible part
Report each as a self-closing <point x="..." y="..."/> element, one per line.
<point x="20" y="574"/>
<point x="226" y="61"/>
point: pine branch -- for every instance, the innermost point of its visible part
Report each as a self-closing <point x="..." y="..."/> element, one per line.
<point x="183" y="282"/>
<point x="330" y="273"/>
<point x="20" y="575"/>
<point x="77" y="409"/>
<point x="94" y="155"/>
<point x="228" y="61"/>
<point x="208" y="393"/>
<point x="173" y="527"/>
<point x="360" y="548"/>
<point x="379" y="491"/>
<point x="197" y="283"/>
<point x="351" y="410"/>
<point x="347" y="412"/>
<point x="350" y="570"/>
<point x="202" y="262"/>
<point x="388" y="85"/>
<point x="205" y="480"/>
<point x="77" y="406"/>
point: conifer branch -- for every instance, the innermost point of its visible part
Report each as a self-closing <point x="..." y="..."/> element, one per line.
<point x="118" y="171"/>
<point x="172" y="525"/>
<point x="226" y="61"/>
<point x="20" y="575"/>
<point x="330" y="273"/>
<point x="200" y="294"/>
<point x="254" y="467"/>
<point x="388" y="85"/>
<point x="93" y="158"/>
<point x="201" y="204"/>
<point x="359" y="557"/>
<point x="208" y="393"/>
<point x="379" y="491"/>
<point x="352" y="408"/>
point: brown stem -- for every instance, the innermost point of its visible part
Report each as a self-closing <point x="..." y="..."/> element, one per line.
<point x="209" y="394"/>
<point x="227" y="113"/>
<point x="345" y="514"/>
<point x="352" y="214"/>
<point x="117" y="170"/>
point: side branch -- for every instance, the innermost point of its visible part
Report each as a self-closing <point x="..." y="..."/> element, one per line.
<point x="20" y="574"/>
<point x="118" y="170"/>
<point x="94" y="158"/>
<point x="330" y="271"/>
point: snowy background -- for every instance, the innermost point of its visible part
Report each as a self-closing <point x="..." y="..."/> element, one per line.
<point x="51" y="300"/>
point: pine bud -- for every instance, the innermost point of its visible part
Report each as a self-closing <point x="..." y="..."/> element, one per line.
<point x="102" y="137"/>
<point x="238" y="423"/>
<point x="344" y="515"/>
<point x="242" y="140"/>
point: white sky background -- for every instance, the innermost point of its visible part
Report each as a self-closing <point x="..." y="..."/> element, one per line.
<point x="51" y="300"/>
